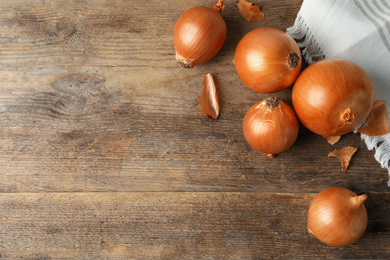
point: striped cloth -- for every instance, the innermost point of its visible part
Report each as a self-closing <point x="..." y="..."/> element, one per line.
<point x="357" y="30"/>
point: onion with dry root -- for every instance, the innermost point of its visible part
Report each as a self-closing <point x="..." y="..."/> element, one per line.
<point x="270" y="126"/>
<point x="333" y="97"/>
<point x="267" y="60"/>
<point x="337" y="216"/>
<point x="199" y="34"/>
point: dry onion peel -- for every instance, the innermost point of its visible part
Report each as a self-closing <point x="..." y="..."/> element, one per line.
<point x="209" y="99"/>
<point x="332" y="139"/>
<point x="377" y="121"/>
<point x="250" y="11"/>
<point x="344" y="155"/>
<point x="199" y="34"/>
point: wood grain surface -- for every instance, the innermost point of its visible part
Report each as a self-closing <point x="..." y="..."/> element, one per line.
<point x="105" y="152"/>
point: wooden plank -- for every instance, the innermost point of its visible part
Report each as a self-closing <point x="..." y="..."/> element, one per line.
<point x="175" y="225"/>
<point x="111" y="33"/>
<point x="86" y="132"/>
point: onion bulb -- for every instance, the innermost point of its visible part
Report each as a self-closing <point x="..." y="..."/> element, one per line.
<point x="199" y="34"/>
<point x="337" y="216"/>
<point x="333" y="97"/>
<point x="270" y="126"/>
<point x="267" y="60"/>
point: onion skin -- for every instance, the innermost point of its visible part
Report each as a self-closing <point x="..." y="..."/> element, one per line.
<point x="377" y="121"/>
<point x="270" y="126"/>
<point x="337" y="216"/>
<point x="199" y="34"/>
<point x="250" y="11"/>
<point x="333" y="97"/>
<point x="209" y="99"/>
<point x="344" y="155"/>
<point x="267" y="60"/>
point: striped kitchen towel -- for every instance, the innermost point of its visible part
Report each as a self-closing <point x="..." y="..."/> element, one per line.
<point x="356" y="30"/>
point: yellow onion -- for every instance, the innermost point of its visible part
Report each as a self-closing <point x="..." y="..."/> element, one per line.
<point x="333" y="97"/>
<point x="199" y="34"/>
<point x="267" y="60"/>
<point x="270" y="126"/>
<point x="337" y="216"/>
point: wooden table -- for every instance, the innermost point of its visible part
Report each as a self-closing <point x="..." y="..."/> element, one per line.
<point x="106" y="154"/>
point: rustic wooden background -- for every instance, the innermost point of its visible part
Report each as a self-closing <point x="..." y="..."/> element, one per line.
<point x="105" y="152"/>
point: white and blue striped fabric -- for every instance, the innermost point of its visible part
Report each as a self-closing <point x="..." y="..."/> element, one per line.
<point x="357" y="30"/>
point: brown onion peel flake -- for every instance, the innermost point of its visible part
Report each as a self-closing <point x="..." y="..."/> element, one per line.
<point x="332" y="139"/>
<point x="377" y="121"/>
<point x="209" y="100"/>
<point x="250" y="11"/>
<point x="344" y="155"/>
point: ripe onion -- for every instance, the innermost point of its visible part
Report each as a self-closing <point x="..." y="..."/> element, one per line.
<point x="270" y="126"/>
<point x="267" y="60"/>
<point x="199" y="34"/>
<point x="337" y="216"/>
<point x="333" y="97"/>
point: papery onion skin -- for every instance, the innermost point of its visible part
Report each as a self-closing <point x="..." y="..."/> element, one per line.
<point x="270" y="126"/>
<point x="344" y="155"/>
<point x="209" y="99"/>
<point x="333" y="97"/>
<point x="250" y="11"/>
<point x="267" y="60"/>
<point x="199" y="34"/>
<point x="377" y="121"/>
<point x="337" y="216"/>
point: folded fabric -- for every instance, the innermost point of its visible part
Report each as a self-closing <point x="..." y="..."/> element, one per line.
<point x="358" y="31"/>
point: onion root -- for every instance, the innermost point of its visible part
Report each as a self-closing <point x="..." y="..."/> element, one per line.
<point x="293" y="59"/>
